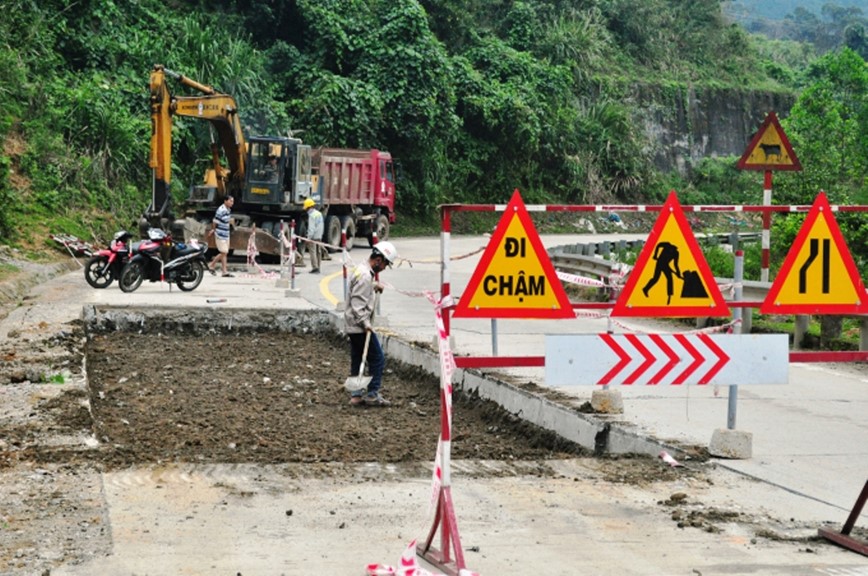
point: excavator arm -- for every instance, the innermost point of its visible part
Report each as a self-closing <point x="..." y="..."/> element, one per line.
<point x="220" y="110"/>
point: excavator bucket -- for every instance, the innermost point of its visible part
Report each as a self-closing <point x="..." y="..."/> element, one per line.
<point x="238" y="240"/>
<point x="265" y="243"/>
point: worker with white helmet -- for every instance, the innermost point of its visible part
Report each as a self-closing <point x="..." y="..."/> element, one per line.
<point x="314" y="232"/>
<point x="358" y="314"/>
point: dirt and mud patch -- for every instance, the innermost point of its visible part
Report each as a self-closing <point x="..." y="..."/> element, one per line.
<point x="275" y="397"/>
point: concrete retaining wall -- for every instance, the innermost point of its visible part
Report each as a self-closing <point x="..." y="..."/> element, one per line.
<point x="588" y="430"/>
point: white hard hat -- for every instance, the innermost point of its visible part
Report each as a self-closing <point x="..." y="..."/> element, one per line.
<point x="386" y="250"/>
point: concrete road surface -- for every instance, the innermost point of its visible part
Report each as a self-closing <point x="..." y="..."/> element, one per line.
<point x="810" y="461"/>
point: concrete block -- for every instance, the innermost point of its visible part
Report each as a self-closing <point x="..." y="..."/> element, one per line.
<point x="292" y="293"/>
<point x="282" y="283"/>
<point x="735" y="444"/>
<point x="607" y="402"/>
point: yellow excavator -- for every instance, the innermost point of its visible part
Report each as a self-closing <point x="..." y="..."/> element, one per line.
<point x="270" y="177"/>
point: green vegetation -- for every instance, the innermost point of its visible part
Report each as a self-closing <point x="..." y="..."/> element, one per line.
<point x="474" y="98"/>
<point x="825" y="25"/>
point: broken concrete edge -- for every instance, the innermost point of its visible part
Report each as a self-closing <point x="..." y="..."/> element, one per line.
<point x="192" y="320"/>
<point x="593" y="433"/>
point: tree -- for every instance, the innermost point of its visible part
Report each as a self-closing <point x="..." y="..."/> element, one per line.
<point x="827" y="127"/>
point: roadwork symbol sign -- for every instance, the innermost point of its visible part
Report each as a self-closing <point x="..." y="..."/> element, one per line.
<point x="671" y="277"/>
<point x="818" y="275"/>
<point x="770" y="149"/>
<point x="514" y="277"/>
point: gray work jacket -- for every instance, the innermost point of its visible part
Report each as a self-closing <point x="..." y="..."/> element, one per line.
<point x="359" y="308"/>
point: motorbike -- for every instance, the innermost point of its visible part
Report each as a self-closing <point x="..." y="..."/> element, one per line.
<point x="160" y="259"/>
<point x="106" y="266"/>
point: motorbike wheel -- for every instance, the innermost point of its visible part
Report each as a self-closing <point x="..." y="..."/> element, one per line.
<point x="132" y="276"/>
<point x="98" y="273"/>
<point x="191" y="278"/>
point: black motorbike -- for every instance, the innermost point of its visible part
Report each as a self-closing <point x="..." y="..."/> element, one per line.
<point x="160" y="259"/>
<point x="106" y="266"/>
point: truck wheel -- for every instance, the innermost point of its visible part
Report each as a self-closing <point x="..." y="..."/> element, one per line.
<point x="382" y="230"/>
<point x="333" y="232"/>
<point x="349" y="224"/>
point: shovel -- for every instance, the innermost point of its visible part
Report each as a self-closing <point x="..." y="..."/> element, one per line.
<point x="360" y="382"/>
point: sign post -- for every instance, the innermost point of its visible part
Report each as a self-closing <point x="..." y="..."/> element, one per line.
<point x="769" y="150"/>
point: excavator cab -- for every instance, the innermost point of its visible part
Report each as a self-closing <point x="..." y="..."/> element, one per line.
<point x="279" y="172"/>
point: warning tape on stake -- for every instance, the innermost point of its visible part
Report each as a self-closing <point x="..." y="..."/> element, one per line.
<point x="408" y="563"/>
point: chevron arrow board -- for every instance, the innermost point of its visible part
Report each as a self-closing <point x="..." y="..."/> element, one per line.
<point x="666" y="359"/>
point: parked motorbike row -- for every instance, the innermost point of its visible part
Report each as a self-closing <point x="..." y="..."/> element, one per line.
<point x="155" y="259"/>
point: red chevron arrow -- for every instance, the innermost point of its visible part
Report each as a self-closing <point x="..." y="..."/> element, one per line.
<point x="697" y="359"/>
<point x="722" y="359"/>
<point x="622" y="354"/>
<point x="649" y="359"/>
<point x="670" y="353"/>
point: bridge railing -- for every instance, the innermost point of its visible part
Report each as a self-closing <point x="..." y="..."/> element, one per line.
<point x="591" y="259"/>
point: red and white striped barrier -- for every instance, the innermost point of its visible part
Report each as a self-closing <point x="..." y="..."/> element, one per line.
<point x="647" y="208"/>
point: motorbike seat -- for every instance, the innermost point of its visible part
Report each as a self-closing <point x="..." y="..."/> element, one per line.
<point x="184" y="250"/>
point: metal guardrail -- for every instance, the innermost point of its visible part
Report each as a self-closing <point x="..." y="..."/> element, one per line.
<point x="592" y="259"/>
<point x="607" y="247"/>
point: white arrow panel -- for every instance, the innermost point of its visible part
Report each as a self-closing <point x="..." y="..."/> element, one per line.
<point x="586" y="359"/>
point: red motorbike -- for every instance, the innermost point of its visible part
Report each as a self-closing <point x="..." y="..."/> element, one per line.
<point x="105" y="266"/>
<point x="160" y="259"/>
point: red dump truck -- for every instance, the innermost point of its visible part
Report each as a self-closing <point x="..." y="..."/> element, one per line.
<point x="269" y="176"/>
<point x="357" y="191"/>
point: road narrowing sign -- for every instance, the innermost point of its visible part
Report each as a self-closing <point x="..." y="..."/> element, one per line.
<point x="666" y="359"/>
<point x="514" y="277"/>
<point x="671" y="278"/>
<point x="769" y="149"/>
<point x="818" y="275"/>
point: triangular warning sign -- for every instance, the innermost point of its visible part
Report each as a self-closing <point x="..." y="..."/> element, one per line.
<point x="770" y="149"/>
<point x="514" y="277"/>
<point x="818" y="275"/>
<point x="671" y="278"/>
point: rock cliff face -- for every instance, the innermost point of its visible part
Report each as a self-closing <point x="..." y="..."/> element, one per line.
<point x="684" y="125"/>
